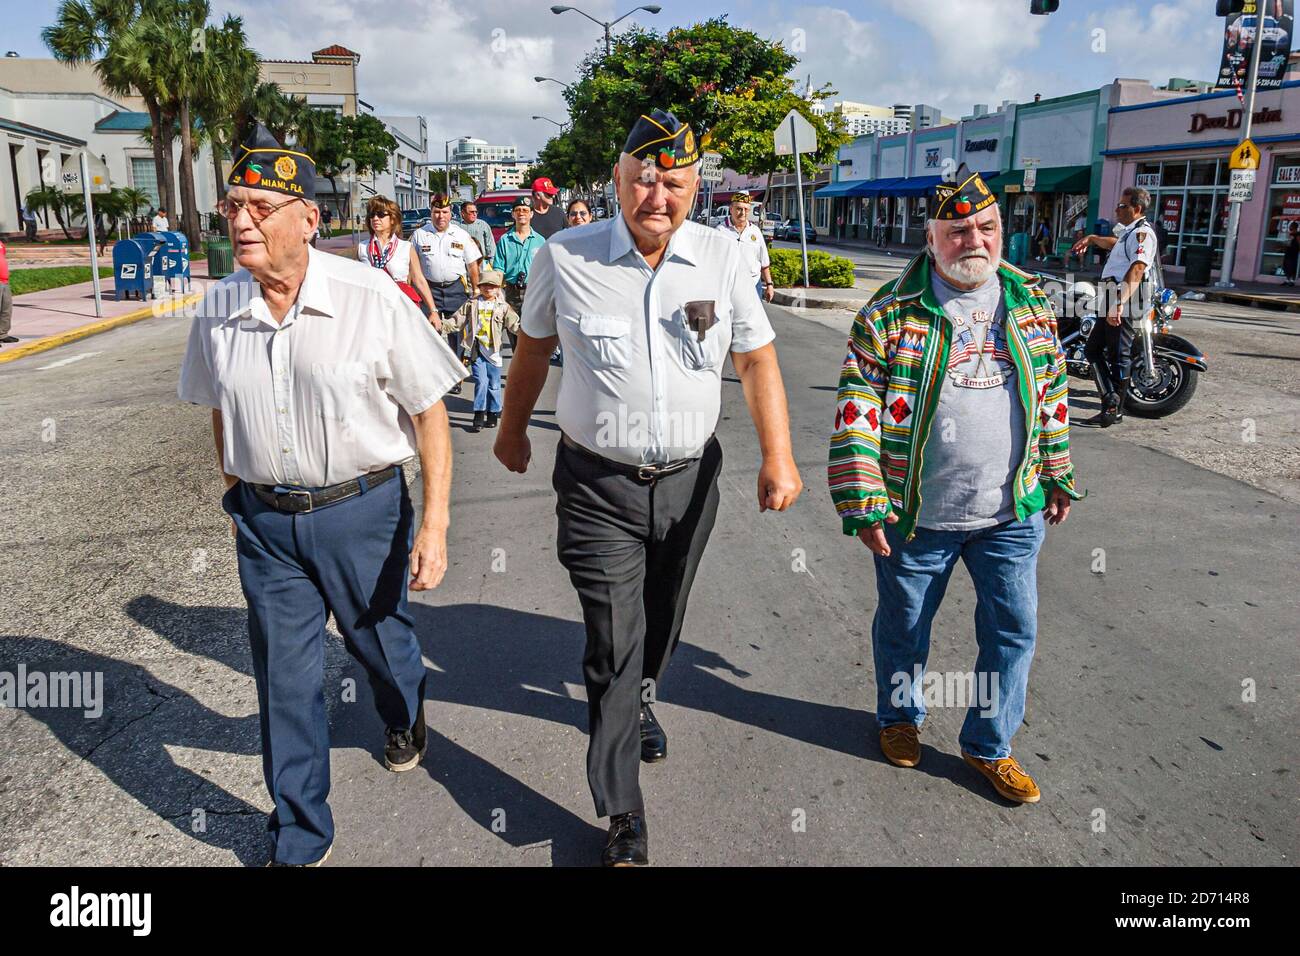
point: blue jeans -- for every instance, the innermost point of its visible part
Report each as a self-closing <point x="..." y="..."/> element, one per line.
<point x="910" y="584"/>
<point x="487" y="385"/>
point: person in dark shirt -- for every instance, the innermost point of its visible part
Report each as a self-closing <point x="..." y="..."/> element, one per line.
<point x="548" y="218"/>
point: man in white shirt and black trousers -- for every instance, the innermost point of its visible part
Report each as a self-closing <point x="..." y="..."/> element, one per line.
<point x="1125" y="294"/>
<point x="647" y="306"/>
<point x="449" y="259"/>
<point x="322" y="378"/>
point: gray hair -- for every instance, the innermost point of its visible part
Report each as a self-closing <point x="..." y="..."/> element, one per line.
<point x="1138" y="197"/>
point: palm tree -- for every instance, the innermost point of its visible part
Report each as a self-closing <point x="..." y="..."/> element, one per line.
<point x="51" y="199"/>
<point x="227" y="88"/>
<point x="108" y="34"/>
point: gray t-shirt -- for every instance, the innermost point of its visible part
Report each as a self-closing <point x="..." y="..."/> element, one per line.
<point x="977" y="439"/>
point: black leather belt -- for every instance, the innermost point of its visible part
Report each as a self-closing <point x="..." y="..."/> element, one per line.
<point x="303" y="501"/>
<point x="449" y="282"/>
<point x="639" y="472"/>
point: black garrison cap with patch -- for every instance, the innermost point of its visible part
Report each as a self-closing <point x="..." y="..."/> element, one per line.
<point x="962" y="196"/>
<point x="661" y="136"/>
<point x="262" y="163"/>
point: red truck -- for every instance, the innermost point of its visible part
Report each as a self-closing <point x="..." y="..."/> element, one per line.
<point x="494" y="208"/>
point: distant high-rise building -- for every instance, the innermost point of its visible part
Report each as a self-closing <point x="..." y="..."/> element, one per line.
<point x="473" y="154"/>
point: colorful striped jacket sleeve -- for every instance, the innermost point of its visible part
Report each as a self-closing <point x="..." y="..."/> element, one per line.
<point x="1055" y="467"/>
<point x="856" y="483"/>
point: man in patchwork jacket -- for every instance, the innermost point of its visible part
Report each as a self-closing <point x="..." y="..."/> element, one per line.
<point x="952" y="441"/>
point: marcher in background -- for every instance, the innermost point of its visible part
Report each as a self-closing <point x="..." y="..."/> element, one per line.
<point x="479" y="231"/>
<point x="483" y="322"/>
<point x="160" y="223"/>
<point x="951" y="441"/>
<point x="578" y="212"/>
<point x="1043" y="238"/>
<point x="880" y="230"/>
<point x="327" y="219"/>
<point x="1291" y="258"/>
<point x="6" y="300"/>
<point x="648" y="307"/>
<point x="29" y="223"/>
<point x="322" y="379"/>
<point x="548" y="218"/>
<point x="387" y="250"/>
<point x="514" y="257"/>
<point x="449" y="259"/>
<point x="1126" y="293"/>
<point x="753" y="247"/>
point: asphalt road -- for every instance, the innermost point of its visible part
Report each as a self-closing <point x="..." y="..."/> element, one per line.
<point x="117" y="559"/>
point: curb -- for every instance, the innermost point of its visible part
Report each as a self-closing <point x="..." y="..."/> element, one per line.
<point x="795" y="300"/>
<point x="1252" y="301"/>
<point x="94" y="328"/>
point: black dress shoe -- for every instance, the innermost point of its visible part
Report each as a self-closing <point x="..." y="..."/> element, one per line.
<point x="629" y="841"/>
<point x="479" y="418"/>
<point x="654" y="742"/>
<point x="405" y="747"/>
<point x="492" y="418"/>
<point x="10" y="339"/>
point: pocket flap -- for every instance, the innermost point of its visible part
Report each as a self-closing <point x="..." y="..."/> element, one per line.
<point x="603" y="326"/>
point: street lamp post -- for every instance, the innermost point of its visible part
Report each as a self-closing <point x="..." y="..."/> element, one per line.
<point x="606" y="24"/>
<point x="549" y="120"/>
<point x="446" y="166"/>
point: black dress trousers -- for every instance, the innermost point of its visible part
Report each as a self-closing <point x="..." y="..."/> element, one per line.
<point x="631" y="549"/>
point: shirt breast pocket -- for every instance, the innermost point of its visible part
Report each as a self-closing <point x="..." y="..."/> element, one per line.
<point x="606" y="340"/>
<point x="339" y="388"/>
<point x="702" y="352"/>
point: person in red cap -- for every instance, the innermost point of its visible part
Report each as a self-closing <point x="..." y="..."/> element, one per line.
<point x="548" y="218"/>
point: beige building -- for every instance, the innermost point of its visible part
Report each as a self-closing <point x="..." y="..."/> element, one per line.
<point x="327" y="80"/>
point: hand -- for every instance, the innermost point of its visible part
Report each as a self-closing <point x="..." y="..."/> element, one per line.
<point x="1058" y="507"/>
<point x="769" y="291"/>
<point x="779" y="484"/>
<point x="437" y="324"/>
<point x="1112" y="317"/>
<point x="513" y="451"/>
<point x="874" y="536"/>
<point x="1081" y="246"/>
<point x="428" y="558"/>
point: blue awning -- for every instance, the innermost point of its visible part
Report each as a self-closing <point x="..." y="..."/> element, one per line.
<point x="878" y="187"/>
<point x="916" y="186"/>
<point x="844" y="187"/>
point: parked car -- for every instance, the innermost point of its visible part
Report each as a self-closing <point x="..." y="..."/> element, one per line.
<point x="413" y="219"/>
<point x="494" y="208"/>
<point x="768" y="225"/>
<point x="789" y="230"/>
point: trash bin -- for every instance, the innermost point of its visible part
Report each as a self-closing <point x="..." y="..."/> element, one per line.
<point x="1196" y="263"/>
<point x="1019" y="248"/>
<point x="221" y="258"/>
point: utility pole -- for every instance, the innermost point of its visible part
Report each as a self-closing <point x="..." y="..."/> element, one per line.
<point x="1234" y="208"/>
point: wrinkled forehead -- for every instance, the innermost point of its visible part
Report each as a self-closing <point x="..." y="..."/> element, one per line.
<point x="635" y="169"/>
<point x="246" y="194"/>
<point x="948" y="227"/>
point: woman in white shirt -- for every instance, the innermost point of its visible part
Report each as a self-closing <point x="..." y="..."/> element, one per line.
<point x="387" y="250"/>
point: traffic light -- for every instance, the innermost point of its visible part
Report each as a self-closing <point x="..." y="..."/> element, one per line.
<point x="1041" y="8"/>
<point x="1226" y="8"/>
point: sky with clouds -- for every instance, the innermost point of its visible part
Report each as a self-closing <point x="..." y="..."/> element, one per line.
<point x="469" y="67"/>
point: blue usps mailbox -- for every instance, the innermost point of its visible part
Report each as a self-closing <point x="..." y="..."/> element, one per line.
<point x="133" y="266"/>
<point x="171" y="258"/>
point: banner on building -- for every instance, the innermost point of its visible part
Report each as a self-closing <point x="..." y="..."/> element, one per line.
<point x="1239" y="34"/>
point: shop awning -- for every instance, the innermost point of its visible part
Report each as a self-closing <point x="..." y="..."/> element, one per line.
<point x="916" y="186"/>
<point x="844" y="187"/>
<point x="1052" y="179"/>
<point x="877" y="187"/>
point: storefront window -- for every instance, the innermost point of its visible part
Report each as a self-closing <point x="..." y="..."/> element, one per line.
<point x="1201" y="172"/>
<point x="1189" y="199"/>
<point x="1173" y="174"/>
<point x="1283" y="210"/>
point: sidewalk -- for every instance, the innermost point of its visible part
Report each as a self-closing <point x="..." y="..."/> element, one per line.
<point x="46" y="320"/>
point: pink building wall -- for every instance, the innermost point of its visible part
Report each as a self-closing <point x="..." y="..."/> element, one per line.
<point x="1172" y="123"/>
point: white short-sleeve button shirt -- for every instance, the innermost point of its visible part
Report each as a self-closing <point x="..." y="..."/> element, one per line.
<point x="639" y="384"/>
<point x="445" y="255"/>
<point x="1137" y="244"/>
<point x="328" y="393"/>
<point x="753" y="249"/>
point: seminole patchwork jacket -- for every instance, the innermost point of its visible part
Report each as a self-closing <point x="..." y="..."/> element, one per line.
<point x="889" y="390"/>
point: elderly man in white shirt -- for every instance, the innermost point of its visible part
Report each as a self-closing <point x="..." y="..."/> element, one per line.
<point x="449" y="259"/>
<point x="753" y="248"/>
<point x="323" y="379"/>
<point x="647" y="307"/>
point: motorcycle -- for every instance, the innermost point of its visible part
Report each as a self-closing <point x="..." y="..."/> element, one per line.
<point x="1165" y="366"/>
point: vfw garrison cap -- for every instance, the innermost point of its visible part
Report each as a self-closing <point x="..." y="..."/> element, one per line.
<point x="262" y="163"/>
<point x="962" y="196"/>
<point x="664" y="138"/>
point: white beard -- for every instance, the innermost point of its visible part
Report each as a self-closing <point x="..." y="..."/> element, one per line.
<point x="971" y="270"/>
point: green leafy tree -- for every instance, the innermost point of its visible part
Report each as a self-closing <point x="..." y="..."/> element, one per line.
<point x="228" y="88"/>
<point x="51" y="199"/>
<point x="731" y="85"/>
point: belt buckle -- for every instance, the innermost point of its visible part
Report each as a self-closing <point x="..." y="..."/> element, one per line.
<point x="647" y="472"/>
<point x="304" y="494"/>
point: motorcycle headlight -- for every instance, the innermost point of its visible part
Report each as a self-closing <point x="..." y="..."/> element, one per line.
<point x="1084" y="290"/>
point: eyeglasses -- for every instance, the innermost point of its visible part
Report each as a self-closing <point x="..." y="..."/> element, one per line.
<point x="258" y="209"/>
<point x="380" y="215"/>
<point x="1122" y="205"/>
<point x="580" y="214"/>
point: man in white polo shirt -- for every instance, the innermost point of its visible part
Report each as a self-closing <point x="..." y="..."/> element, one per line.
<point x="449" y="259"/>
<point x="753" y="248"/>
<point x="647" y="307"/>
<point x="323" y="379"/>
